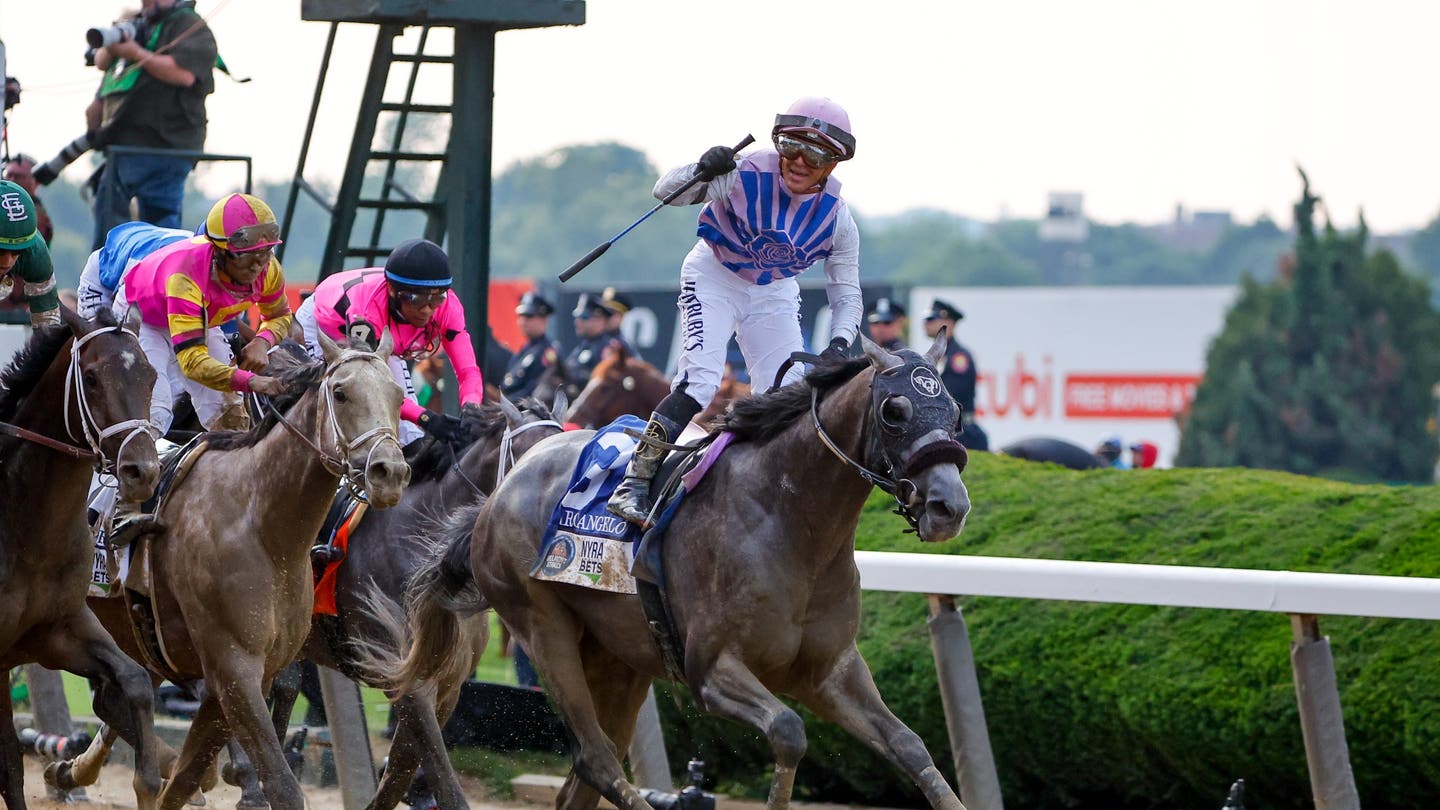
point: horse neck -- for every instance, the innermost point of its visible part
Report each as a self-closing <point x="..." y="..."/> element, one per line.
<point x="36" y="473"/>
<point x="832" y="494"/>
<point x="475" y="468"/>
<point x="44" y="408"/>
<point x="289" y="467"/>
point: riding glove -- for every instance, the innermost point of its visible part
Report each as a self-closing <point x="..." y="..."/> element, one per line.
<point x="838" y="350"/>
<point x="716" y="161"/>
<point x="440" y="425"/>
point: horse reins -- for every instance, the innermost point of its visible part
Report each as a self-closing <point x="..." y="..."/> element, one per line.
<point x="339" y="464"/>
<point x="507" y="455"/>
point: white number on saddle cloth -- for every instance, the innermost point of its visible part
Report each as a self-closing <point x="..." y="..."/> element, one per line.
<point x="595" y="476"/>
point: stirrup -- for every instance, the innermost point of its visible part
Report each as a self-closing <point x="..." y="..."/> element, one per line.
<point x="325" y="554"/>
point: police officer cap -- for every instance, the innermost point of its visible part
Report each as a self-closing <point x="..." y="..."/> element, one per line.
<point x="617" y="302"/>
<point x="885" y="311"/>
<point x="532" y="303"/>
<point x="590" y="304"/>
<point x="946" y="310"/>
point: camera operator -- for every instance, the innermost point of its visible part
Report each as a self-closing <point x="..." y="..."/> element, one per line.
<point x="153" y="95"/>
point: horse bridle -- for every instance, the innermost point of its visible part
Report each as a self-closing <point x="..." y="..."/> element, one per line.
<point x="90" y="427"/>
<point x="339" y="463"/>
<point x="899" y="484"/>
<point x="507" y="455"/>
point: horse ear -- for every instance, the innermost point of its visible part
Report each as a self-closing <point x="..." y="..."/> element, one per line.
<point x="561" y="403"/>
<point x="936" y="352"/>
<point x="79" y="327"/>
<point x="132" y="321"/>
<point x="879" y="357"/>
<point x="329" y="349"/>
<point x="512" y="413"/>
<point x="387" y="345"/>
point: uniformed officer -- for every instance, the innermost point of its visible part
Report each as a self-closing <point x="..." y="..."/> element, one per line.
<point x="887" y="322"/>
<point x="540" y="352"/>
<point x="590" y="315"/>
<point x="957" y="371"/>
<point x="617" y="304"/>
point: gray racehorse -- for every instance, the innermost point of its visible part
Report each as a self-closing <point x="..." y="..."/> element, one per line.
<point x="760" y="568"/>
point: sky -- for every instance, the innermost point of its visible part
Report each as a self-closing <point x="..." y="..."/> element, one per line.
<point x="980" y="109"/>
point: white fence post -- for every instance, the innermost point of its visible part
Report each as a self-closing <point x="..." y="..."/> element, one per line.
<point x="648" y="760"/>
<point x="964" y="713"/>
<point x="1321" y="722"/>
<point x="354" y="764"/>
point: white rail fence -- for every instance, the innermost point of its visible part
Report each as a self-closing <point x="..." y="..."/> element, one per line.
<point x="1303" y="596"/>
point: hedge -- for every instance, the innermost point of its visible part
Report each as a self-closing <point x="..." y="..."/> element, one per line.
<point x="1121" y="706"/>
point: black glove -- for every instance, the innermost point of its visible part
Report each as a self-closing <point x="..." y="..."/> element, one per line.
<point x="716" y="161"/>
<point x="838" y="350"/>
<point x="440" y="425"/>
<point x="43" y="174"/>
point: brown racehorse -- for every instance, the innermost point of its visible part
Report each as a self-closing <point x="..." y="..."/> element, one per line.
<point x="760" y="569"/>
<point x="620" y="384"/>
<point x="81" y="390"/>
<point x="232" y="590"/>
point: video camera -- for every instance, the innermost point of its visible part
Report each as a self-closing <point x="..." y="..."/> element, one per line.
<point x="46" y="172"/>
<point x="690" y="798"/>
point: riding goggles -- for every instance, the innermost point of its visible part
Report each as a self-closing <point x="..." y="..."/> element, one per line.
<point x="249" y="238"/>
<point x="814" y="156"/>
<point x="251" y="259"/>
<point x="429" y="298"/>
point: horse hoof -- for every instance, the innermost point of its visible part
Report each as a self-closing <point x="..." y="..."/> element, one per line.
<point x="198" y="800"/>
<point x="227" y="773"/>
<point x="57" y="775"/>
<point x="244" y="804"/>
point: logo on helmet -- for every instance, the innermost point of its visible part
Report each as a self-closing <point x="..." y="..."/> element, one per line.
<point x="14" y="207"/>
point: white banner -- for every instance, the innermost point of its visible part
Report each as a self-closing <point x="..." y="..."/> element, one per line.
<point x="1083" y="363"/>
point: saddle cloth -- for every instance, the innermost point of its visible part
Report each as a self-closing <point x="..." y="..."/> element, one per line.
<point x="340" y="522"/>
<point x="583" y="543"/>
<point x="175" y="463"/>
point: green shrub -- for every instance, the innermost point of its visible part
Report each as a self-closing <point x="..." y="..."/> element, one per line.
<point x="1133" y="706"/>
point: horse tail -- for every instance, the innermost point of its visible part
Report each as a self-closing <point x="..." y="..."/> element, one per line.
<point x="430" y="640"/>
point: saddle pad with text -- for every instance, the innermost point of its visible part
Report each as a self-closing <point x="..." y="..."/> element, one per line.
<point x="584" y="544"/>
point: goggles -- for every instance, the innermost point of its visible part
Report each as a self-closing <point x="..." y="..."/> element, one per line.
<point x="814" y="156"/>
<point x="253" y="237"/>
<point x="428" y="298"/>
<point x="251" y="259"/>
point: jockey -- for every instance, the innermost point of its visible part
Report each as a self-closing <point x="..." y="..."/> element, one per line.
<point x="411" y="298"/>
<point x="25" y="256"/>
<point x="187" y="289"/>
<point x="769" y="216"/>
<point x="125" y="246"/>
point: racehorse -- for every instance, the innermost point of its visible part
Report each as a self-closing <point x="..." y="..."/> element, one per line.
<point x="620" y="384"/>
<point x="383" y="551"/>
<point x="80" y="397"/>
<point x="760" y="572"/>
<point x="232" y="590"/>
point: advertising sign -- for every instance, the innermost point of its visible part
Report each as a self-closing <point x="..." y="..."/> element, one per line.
<point x="1083" y="363"/>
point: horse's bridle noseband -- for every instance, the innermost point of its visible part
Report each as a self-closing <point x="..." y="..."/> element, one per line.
<point x="94" y="434"/>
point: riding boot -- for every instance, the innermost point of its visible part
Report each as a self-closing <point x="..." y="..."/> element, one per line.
<point x="631" y="500"/>
<point x="131" y="522"/>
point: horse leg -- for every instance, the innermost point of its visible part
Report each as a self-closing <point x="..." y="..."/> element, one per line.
<point x="848" y="697"/>
<point x="431" y="744"/>
<point x="402" y="762"/>
<point x="208" y="732"/>
<point x="557" y="655"/>
<point x="249" y="718"/>
<point x="84" y="769"/>
<point x="241" y="773"/>
<point x="729" y="689"/>
<point x="283" y="693"/>
<point x="619" y="693"/>
<point x="124" y="692"/>
<point x="12" y="780"/>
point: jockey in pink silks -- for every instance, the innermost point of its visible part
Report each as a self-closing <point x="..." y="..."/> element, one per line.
<point x="411" y="299"/>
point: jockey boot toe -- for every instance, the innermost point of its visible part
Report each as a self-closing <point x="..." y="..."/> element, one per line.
<point x="129" y="527"/>
<point x="321" y="556"/>
<point x="631" y="500"/>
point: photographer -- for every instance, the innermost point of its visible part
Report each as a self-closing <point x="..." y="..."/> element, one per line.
<point x="153" y="95"/>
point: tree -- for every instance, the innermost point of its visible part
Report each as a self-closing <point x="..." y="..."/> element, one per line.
<point x="1327" y="370"/>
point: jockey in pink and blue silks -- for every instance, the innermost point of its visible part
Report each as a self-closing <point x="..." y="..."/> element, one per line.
<point x="769" y="216"/>
<point x="411" y="299"/>
<point x="186" y="290"/>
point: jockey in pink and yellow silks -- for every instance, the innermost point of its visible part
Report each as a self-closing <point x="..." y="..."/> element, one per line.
<point x="186" y="290"/>
<point x="410" y="298"/>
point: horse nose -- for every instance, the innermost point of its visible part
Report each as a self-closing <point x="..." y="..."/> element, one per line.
<point x="386" y="481"/>
<point x="138" y="478"/>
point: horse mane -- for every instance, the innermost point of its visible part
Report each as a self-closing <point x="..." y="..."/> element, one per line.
<point x="762" y="417"/>
<point x="430" y="458"/>
<point x="630" y="363"/>
<point x="291" y="365"/>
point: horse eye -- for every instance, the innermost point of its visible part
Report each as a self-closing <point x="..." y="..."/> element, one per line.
<point x="896" y="410"/>
<point x="92" y="379"/>
<point x="339" y="394"/>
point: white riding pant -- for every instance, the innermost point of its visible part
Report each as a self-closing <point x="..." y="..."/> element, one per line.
<point x="170" y="381"/>
<point x="399" y="369"/>
<point x="715" y="304"/>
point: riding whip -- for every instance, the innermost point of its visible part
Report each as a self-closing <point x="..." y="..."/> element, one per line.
<point x="599" y="250"/>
